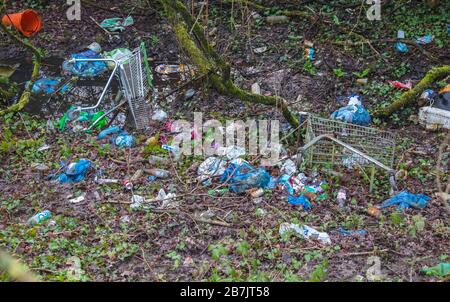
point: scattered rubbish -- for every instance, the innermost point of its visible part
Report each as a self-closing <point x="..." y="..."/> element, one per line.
<point x="28" y="22"/>
<point x="309" y="53"/>
<point x="85" y="69"/>
<point x="168" y="69"/>
<point x="352" y="160"/>
<point x="152" y="178"/>
<point x="425" y="39"/>
<point x="277" y="19"/>
<point x="117" y="24"/>
<point x="442" y="101"/>
<point x="159" y="173"/>
<point x="218" y="192"/>
<point x="260" y="49"/>
<point x="212" y="166"/>
<point x="362" y="81"/>
<point x="401" y="47"/>
<point x="243" y="176"/>
<point x="189" y="94"/>
<point x="136" y="201"/>
<point x="353" y="113"/>
<point x="441" y="270"/>
<point x="289" y="167"/>
<point x="283" y="180"/>
<point x="154" y="159"/>
<point x="77" y="199"/>
<point x="123" y="139"/>
<point x="341" y="198"/>
<point x="107" y="181"/>
<point x="231" y="152"/>
<point x="397" y="84"/>
<point x="159" y="115"/>
<point x="374" y="212"/>
<point x="127" y="184"/>
<point x="308" y="43"/>
<point x="404" y="200"/>
<point x="256" y="192"/>
<point x="428" y="95"/>
<point x="50" y="85"/>
<point x="305" y="231"/>
<point x="351" y="233"/>
<point x="173" y="149"/>
<point x="75" y="172"/>
<point x="43" y="148"/>
<point x="74" y="271"/>
<point x="121" y="55"/>
<point x="301" y="200"/>
<point x="256" y="89"/>
<point x="168" y="200"/>
<point x="125" y="219"/>
<point x="39" y="217"/>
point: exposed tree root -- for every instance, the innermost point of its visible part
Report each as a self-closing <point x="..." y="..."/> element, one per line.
<point x="209" y="62"/>
<point x="408" y="97"/>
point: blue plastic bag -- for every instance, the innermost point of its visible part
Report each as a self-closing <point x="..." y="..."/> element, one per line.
<point x="242" y="177"/>
<point x="353" y="113"/>
<point x="85" y="69"/>
<point x="351" y="233"/>
<point x="123" y="139"/>
<point x="301" y="200"/>
<point x="49" y="85"/>
<point x="75" y="172"/>
<point x="404" y="200"/>
<point x="284" y="181"/>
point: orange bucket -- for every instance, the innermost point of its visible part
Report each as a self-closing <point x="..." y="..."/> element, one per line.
<point x="27" y="22"/>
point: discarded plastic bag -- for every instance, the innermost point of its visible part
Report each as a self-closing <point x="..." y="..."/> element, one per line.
<point x="305" y="231"/>
<point x="85" y="69"/>
<point x="404" y="200"/>
<point x="117" y="24"/>
<point x="123" y="139"/>
<point x="301" y="200"/>
<point x="353" y="113"/>
<point x="49" y="86"/>
<point x="243" y="176"/>
<point x="121" y="55"/>
<point x="397" y="84"/>
<point x="75" y="172"/>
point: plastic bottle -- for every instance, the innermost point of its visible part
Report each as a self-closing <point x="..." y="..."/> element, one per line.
<point x="160" y="173"/>
<point x="153" y="159"/>
<point x="341" y="197"/>
<point x="39" y="217"/>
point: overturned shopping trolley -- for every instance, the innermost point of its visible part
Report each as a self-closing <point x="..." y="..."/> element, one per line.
<point x="339" y="143"/>
<point x="135" y="82"/>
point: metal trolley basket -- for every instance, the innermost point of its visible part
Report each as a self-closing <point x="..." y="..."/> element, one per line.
<point x="338" y="143"/>
<point x="136" y="85"/>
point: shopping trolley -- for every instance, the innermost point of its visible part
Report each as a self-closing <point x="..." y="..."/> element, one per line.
<point x="339" y="143"/>
<point x="135" y="83"/>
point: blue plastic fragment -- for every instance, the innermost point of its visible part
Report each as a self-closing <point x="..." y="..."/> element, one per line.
<point x="85" y="69"/>
<point x="401" y="47"/>
<point x="404" y="200"/>
<point x="75" y="172"/>
<point x="425" y="39"/>
<point x="49" y="86"/>
<point x="301" y="200"/>
<point x="351" y="233"/>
